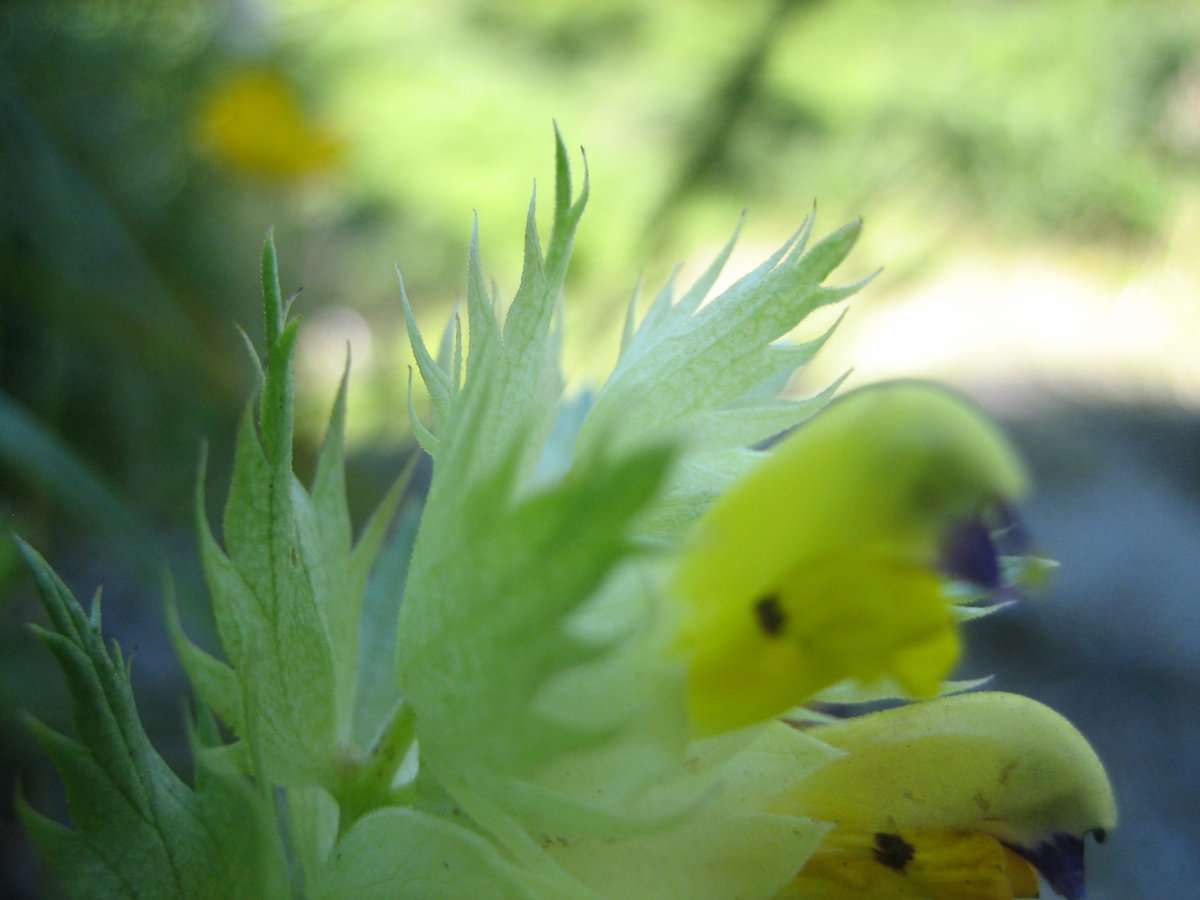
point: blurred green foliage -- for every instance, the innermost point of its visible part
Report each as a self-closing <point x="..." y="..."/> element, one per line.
<point x="116" y="294"/>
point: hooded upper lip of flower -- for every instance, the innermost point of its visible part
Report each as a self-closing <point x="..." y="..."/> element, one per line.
<point x="994" y="764"/>
<point x="828" y="561"/>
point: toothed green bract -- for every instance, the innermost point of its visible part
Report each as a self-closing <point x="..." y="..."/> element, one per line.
<point x="139" y="830"/>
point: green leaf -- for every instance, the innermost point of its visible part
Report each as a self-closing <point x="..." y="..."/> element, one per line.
<point x="567" y="213"/>
<point x="527" y="324"/>
<point x="513" y="377"/>
<point x="269" y="617"/>
<point x="402" y="854"/>
<point x="488" y="574"/>
<point x="707" y="375"/>
<point x="742" y="426"/>
<point x="481" y="318"/>
<point x="338" y="569"/>
<point x="482" y="625"/>
<point x="288" y="588"/>
<point x="437" y="380"/>
<point x="427" y="440"/>
<point x="272" y="295"/>
<point x="269" y="620"/>
<point x="139" y="830"/>
<point x="215" y="682"/>
<point x="378" y="692"/>
<point x="326" y="543"/>
<point x="696" y="481"/>
<point x="732" y="844"/>
<point x="313" y="815"/>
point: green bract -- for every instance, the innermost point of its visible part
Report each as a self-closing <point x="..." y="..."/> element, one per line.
<point x="531" y="738"/>
<point x="139" y="830"/>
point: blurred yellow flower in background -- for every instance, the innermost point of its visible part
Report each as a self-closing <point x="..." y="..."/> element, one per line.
<point x="253" y="122"/>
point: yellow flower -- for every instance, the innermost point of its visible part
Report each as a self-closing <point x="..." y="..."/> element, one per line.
<point x="827" y="561"/>
<point x="954" y="799"/>
<point x="253" y="123"/>
<point x="913" y="864"/>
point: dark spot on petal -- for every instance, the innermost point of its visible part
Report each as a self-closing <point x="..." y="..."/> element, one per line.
<point x="771" y="617"/>
<point x="893" y="851"/>
<point x="1060" y="860"/>
<point x="1099" y="834"/>
<point x="968" y="554"/>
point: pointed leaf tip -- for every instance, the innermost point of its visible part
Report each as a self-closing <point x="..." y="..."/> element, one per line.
<point x="255" y="359"/>
<point x="586" y="190"/>
<point x="290" y="302"/>
<point x="436" y="380"/>
<point x="276" y="407"/>
<point x="562" y="174"/>
<point x="272" y="296"/>
<point x="23" y="547"/>
<point x="95" y="615"/>
<point x="426" y="439"/>
<point x="802" y="236"/>
<point x="691" y="301"/>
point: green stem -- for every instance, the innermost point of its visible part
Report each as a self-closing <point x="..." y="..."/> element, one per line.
<point x="364" y="783"/>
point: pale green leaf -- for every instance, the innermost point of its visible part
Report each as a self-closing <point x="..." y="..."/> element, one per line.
<point x="215" y="682"/>
<point x="313" y="816"/>
<point x="752" y="424"/>
<point x="280" y="572"/>
<point x="732" y="844"/>
<point x="378" y="692"/>
<point x="513" y="376"/>
<point x="437" y="380"/>
<point x="682" y="362"/>
<point x="427" y="440"/>
<point x="268" y="619"/>
<point x="481" y="627"/>
<point x="709" y="376"/>
<point x="403" y="854"/>
<point x="697" y="480"/>
<point x="139" y="830"/>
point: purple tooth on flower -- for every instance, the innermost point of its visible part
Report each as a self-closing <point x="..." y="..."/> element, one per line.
<point x="968" y="554"/>
<point x="1060" y="862"/>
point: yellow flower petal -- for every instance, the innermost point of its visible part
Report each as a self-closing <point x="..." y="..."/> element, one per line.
<point x="922" y="864"/>
<point x="991" y="765"/>
<point x="889" y="620"/>
<point x="822" y="563"/>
